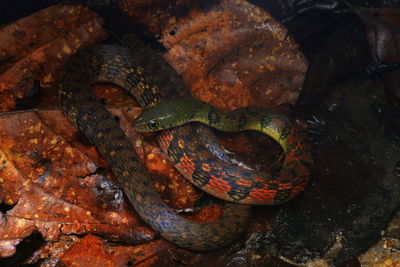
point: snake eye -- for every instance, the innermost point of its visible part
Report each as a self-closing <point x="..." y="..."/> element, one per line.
<point x="152" y="124"/>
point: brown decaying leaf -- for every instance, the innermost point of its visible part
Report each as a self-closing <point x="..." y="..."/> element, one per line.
<point x="54" y="185"/>
<point x="153" y="13"/>
<point x="92" y="251"/>
<point x="51" y="252"/>
<point x="235" y="54"/>
<point x="48" y="36"/>
<point x="230" y="55"/>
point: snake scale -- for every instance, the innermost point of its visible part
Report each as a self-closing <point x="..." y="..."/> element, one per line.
<point x="152" y="81"/>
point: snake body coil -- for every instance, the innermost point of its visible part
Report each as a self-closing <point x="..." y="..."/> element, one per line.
<point x="136" y="71"/>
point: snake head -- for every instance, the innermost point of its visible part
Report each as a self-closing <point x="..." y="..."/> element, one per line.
<point x="141" y="125"/>
<point x="165" y="115"/>
<point x="160" y="117"/>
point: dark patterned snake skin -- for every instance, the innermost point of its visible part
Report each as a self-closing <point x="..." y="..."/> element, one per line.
<point x="129" y="69"/>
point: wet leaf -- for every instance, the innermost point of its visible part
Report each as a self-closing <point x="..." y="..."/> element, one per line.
<point x="56" y="187"/>
<point x="383" y="33"/>
<point x="92" y="251"/>
<point x="382" y="27"/>
<point x="234" y="54"/>
<point x="34" y="49"/>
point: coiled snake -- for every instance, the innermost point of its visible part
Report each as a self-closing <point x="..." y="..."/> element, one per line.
<point x="218" y="177"/>
<point x="152" y="81"/>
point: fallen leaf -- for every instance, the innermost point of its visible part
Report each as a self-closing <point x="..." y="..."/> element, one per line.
<point x="92" y="251"/>
<point x="382" y="30"/>
<point x="55" y="187"/>
<point x="230" y="53"/>
<point x="234" y="54"/>
<point x="34" y="49"/>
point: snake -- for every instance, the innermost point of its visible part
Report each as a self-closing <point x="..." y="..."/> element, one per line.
<point x="191" y="148"/>
<point x="217" y="176"/>
<point x="133" y="70"/>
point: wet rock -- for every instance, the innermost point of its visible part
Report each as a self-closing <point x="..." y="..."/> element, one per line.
<point x="355" y="188"/>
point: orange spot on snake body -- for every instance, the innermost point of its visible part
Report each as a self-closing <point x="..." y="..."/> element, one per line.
<point x="284" y="186"/>
<point x="219" y="184"/>
<point x="262" y="194"/>
<point x="181" y="143"/>
<point x="297" y="190"/>
<point x="243" y="182"/>
<point x="187" y="165"/>
<point x="166" y="138"/>
<point x="206" y="167"/>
